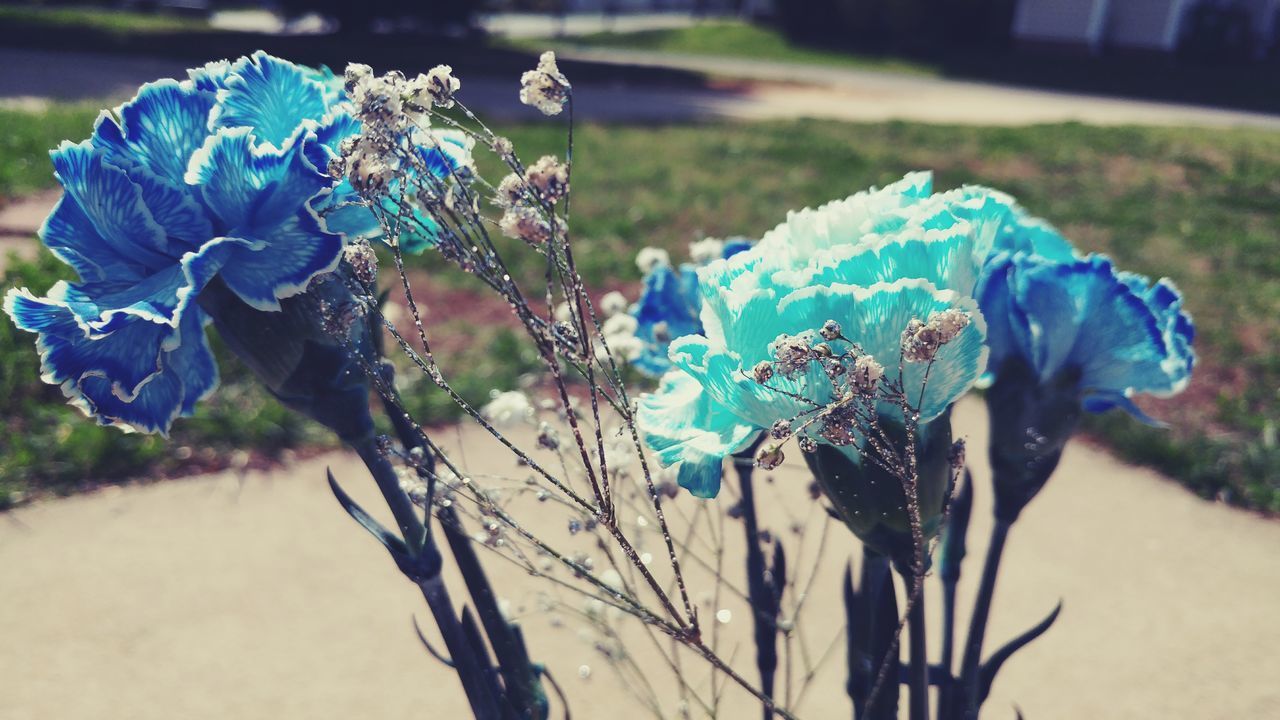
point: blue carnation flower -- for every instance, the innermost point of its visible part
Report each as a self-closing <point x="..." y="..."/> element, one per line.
<point x="872" y="262"/>
<point x="669" y="308"/>
<point x="1114" y="333"/>
<point x="208" y="182"/>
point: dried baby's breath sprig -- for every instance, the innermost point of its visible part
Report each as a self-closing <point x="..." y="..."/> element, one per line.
<point x="922" y="340"/>
<point x="363" y="261"/>
<point x="606" y="484"/>
<point x="435" y="87"/>
<point x="549" y="179"/>
<point x="545" y="87"/>
<point x="527" y="224"/>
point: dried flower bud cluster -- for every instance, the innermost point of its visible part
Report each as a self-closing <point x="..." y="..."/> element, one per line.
<point x="510" y="192"/>
<point x="781" y="430"/>
<point x="503" y="148"/>
<point x="522" y="222"/>
<point x="831" y="330"/>
<point x="545" y="182"/>
<point x="545" y="87"/>
<point x="769" y="456"/>
<point x="378" y="99"/>
<point x="921" y="340"/>
<point x="436" y="87"/>
<point x="865" y="375"/>
<point x="369" y="163"/>
<point x="394" y="130"/>
<point x="363" y="261"/>
<point x="792" y="353"/>
<point x="549" y="179"/>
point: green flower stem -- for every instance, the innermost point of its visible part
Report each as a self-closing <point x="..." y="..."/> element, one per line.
<point x="948" y="643"/>
<point x="978" y="625"/>
<point x="918" y="658"/>
<point x="523" y="690"/>
<point x="481" y="693"/>
<point x="402" y="508"/>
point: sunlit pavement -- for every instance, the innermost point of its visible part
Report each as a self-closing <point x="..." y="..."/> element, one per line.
<point x="244" y="597"/>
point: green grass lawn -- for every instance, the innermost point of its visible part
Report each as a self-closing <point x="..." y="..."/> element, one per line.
<point x="111" y="21"/>
<point x="729" y="39"/>
<point x="1198" y="206"/>
<point x="25" y="142"/>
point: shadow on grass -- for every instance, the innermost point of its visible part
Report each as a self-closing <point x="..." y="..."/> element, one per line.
<point x="410" y="53"/>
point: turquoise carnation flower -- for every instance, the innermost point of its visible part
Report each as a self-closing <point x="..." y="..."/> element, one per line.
<point x="209" y="184"/>
<point x="872" y="262"/>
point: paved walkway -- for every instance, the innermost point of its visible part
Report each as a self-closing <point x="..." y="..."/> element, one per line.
<point x="771" y="91"/>
<point x="225" y="597"/>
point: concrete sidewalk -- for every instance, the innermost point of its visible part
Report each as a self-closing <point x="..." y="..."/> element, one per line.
<point x="220" y="597"/>
<point x="765" y="90"/>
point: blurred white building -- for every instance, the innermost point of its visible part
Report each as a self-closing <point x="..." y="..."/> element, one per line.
<point x="1140" y="25"/>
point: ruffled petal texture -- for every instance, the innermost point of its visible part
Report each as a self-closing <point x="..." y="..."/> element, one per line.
<point x="872" y="262"/>
<point x="194" y="182"/>
<point x="685" y="425"/>
<point x="1120" y="334"/>
<point x="269" y="95"/>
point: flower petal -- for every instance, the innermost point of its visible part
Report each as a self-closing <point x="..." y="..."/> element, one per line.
<point x="71" y="235"/>
<point x="270" y="96"/>
<point x="875" y="317"/>
<point x="113" y="204"/>
<point x="684" y="425"/>
<point x="266" y="269"/>
<point x="158" y="129"/>
<point x="188" y="374"/>
<point x="667" y="309"/>
<point x="252" y="188"/>
<point x="120" y="335"/>
<point x="210" y="77"/>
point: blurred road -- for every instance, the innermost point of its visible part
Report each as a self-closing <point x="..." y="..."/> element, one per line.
<point x="256" y="597"/>
<point x="758" y="90"/>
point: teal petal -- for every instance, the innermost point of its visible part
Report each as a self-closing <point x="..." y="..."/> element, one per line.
<point x="684" y="425"/>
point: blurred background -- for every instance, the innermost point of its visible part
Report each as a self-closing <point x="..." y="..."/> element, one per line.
<point x="1143" y="129"/>
<point x="1146" y="129"/>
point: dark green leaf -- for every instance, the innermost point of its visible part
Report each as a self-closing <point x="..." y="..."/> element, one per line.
<point x="389" y="540"/>
<point x="987" y="674"/>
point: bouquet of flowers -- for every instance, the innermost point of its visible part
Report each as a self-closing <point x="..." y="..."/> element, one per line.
<point x="258" y="196"/>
